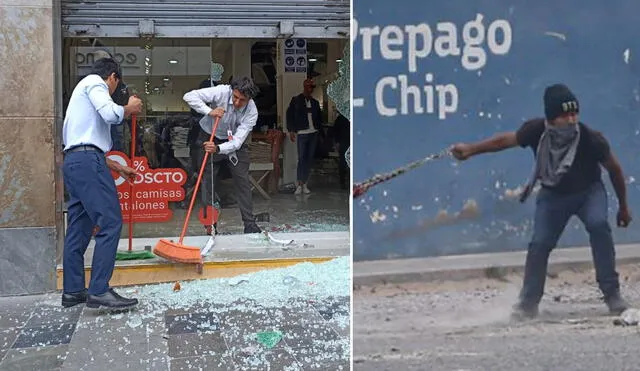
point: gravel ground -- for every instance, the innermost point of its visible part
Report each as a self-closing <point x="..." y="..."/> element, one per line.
<point x="466" y="326"/>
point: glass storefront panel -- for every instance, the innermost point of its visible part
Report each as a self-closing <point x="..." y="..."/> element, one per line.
<point x="160" y="73"/>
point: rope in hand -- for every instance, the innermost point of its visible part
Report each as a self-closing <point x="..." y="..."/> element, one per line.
<point x="361" y="188"/>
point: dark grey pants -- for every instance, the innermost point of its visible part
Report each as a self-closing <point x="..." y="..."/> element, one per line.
<point x="343" y="168"/>
<point x="553" y="211"/>
<point x="306" y="153"/>
<point x="239" y="173"/>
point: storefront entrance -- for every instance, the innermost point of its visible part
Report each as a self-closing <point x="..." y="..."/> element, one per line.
<point x="161" y="62"/>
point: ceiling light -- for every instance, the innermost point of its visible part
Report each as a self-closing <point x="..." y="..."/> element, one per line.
<point x="339" y="60"/>
<point x="313" y="59"/>
<point x="165" y="79"/>
<point x="156" y="88"/>
<point x="173" y="61"/>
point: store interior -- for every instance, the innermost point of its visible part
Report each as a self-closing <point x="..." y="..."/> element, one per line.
<point x="161" y="71"/>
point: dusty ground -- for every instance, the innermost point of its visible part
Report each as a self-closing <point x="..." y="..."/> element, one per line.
<point x="466" y="326"/>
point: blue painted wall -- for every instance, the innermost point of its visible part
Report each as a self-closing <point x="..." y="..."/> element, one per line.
<point x="592" y="46"/>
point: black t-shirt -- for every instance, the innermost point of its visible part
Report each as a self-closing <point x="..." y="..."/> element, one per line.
<point x="593" y="149"/>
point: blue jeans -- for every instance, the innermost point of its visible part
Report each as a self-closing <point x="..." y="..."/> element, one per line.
<point x="93" y="200"/>
<point x="553" y="212"/>
<point x="306" y="153"/>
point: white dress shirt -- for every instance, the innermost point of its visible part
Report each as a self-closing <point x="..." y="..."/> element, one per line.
<point x="90" y="114"/>
<point x="240" y="122"/>
<point x="311" y="129"/>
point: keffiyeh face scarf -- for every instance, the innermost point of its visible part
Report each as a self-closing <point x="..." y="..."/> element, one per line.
<point x="554" y="156"/>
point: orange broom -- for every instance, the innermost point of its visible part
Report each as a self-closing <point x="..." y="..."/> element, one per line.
<point x="178" y="252"/>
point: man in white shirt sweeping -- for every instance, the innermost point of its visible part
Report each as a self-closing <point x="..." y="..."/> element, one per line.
<point x="238" y="115"/>
<point x="93" y="197"/>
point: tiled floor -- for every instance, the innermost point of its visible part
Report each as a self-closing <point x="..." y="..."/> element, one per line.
<point x="38" y="334"/>
<point x="34" y="336"/>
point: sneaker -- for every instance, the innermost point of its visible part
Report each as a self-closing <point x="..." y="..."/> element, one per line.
<point x="616" y="303"/>
<point x="211" y="230"/>
<point x="523" y="312"/>
<point x="298" y="190"/>
<point x="305" y="189"/>
<point x="252" y="228"/>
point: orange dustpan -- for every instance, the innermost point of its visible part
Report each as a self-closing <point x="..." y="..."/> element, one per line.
<point x="178" y="252"/>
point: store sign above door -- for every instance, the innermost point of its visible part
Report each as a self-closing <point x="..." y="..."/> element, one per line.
<point x="125" y="59"/>
<point x="294" y="55"/>
<point x="164" y="61"/>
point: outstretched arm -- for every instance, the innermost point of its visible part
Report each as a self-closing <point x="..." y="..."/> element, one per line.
<point x="496" y="143"/>
<point x="197" y="99"/>
<point x="526" y="136"/>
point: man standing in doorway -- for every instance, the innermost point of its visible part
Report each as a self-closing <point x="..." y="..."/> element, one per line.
<point x="568" y="155"/>
<point x="304" y="119"/>
<point x="238" y="115"/>
<point x="93" y="197"/>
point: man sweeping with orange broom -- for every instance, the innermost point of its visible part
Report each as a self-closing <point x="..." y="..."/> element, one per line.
<point x="224" y="139"/>
<point x="93" y="203"/>
<point x="238" y="114"/>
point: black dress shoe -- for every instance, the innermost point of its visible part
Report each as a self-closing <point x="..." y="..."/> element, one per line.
<point x="74" y="298"/>
<point x="252" y="228"/>
<point x="110" y="299"/>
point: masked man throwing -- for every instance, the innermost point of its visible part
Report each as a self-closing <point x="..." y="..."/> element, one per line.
<point x="568" y="157"/>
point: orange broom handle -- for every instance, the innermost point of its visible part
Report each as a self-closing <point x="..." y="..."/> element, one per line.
<point x="195" y="192"/>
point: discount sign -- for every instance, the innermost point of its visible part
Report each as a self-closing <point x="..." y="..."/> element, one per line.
<point x="152" y="190"/>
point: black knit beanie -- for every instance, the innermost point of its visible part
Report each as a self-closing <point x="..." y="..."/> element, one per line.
<point x="558" y="99"/>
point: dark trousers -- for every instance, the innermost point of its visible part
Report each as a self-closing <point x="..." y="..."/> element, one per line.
<point x="306" y="152"/>
<point x="239" y="173"/>
<point x="343" y="169"/>
<point x="553" y="211"/>
<point x="117" y="132"/>
<point x="93" y="201"/>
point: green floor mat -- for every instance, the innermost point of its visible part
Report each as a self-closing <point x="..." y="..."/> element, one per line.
<point x="134" y="255"/>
